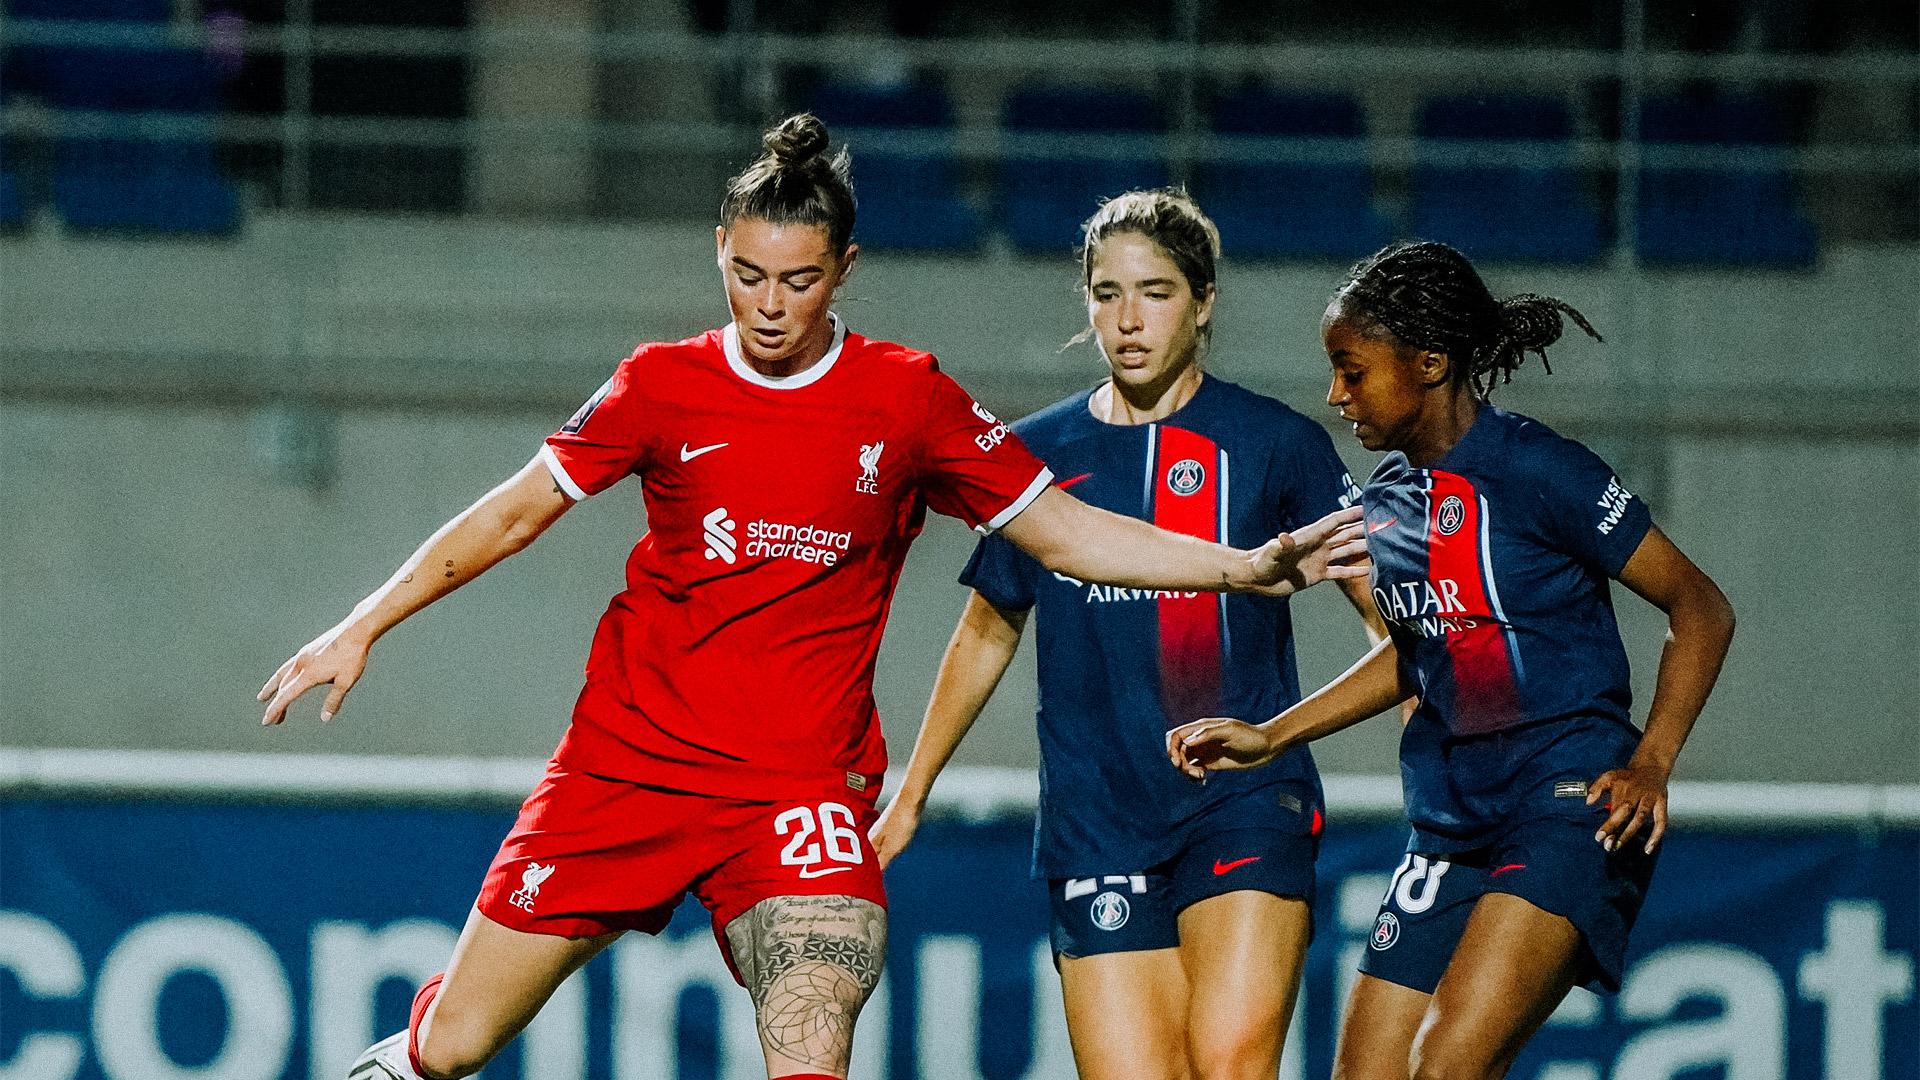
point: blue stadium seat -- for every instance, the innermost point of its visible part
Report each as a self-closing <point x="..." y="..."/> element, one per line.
<point x="1536" y="212"/>
<point x="1292" y="211"/>
<point x="132" y="80"/>
<point x="13" y="201"/>
<point x="114" y="185"/>
<point x="1046" y="197"/>
<point x="28" y="65"/>
<point x="1745" y="216"/>
<point x="154" y="11"/>
<point x="171" y="185"/>
<point x="909" y="201"/>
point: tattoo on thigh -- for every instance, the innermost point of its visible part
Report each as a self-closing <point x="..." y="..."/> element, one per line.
<point x="810" y="963"/>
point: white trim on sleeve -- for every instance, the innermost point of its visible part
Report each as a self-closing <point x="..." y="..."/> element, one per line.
<point x="559" y="471"/>
<point x="1013" y="509"/>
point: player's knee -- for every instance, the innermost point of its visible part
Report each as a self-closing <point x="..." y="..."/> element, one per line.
<point x="1446" y="1059"/>
<point x="1233" y="1052"/>
<point x="451" y="1048"/>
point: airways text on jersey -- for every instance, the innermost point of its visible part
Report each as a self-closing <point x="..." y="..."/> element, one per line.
<point x="1116" y="594"/>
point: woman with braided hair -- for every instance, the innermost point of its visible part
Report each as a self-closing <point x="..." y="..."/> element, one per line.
<point x="1536" y="805"/>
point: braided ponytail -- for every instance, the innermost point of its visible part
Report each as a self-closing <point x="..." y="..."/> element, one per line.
<point x="1428" y="296"/>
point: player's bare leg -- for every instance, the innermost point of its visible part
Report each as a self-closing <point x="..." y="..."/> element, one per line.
<point x="1242" y="952"/>
<point x="1126" y="1014"/>
<point x="498" y="979"/>
<point x="1512" y="967"/>
<point x="810" y="963"/>
<point x="1376" y="1039"/>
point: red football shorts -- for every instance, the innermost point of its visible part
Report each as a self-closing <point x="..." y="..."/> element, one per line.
<point x="590" y="855"/>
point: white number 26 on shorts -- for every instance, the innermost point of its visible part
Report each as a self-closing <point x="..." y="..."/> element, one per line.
<point x="833" y="823"/>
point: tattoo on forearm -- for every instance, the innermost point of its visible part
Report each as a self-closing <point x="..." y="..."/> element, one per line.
<point x="449" y="565"/>
<point x="810" y="962"/>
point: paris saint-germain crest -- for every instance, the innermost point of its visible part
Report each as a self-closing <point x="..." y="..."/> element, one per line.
<point x="1185" y="476"/>
<point x="1386" y="931"/>
<point x="1452" y="513"/>
<point x="1110" y="911"/>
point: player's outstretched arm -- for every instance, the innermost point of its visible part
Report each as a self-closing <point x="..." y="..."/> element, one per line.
<point x="982" y="646"/>
<point x="1699" y="629"/>
<point x="502" y="522"/>
<point x="1371" y="686"/>
<point x="1085" y="542"/>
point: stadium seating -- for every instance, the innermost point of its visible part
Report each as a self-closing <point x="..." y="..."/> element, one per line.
<point x="13" y="202"/>
<point x="1046" y="196"/>
<point x="1746" y="215"/>
<point x="153" y="11"/>
<point x="170" y="184"/>
<point x="1292" y="210"/>
<point x="909" y="200"/>
<point x="1534" y="212"/>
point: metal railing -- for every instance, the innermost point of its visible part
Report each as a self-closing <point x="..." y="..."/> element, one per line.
<point x="978" y="793"/>
<point x="289" y="140"/>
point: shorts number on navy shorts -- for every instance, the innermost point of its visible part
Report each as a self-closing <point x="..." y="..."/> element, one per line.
<point x="1552" y="863"/>
<point x="1139" y="911"/>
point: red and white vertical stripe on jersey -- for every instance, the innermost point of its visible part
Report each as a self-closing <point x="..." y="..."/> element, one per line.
<point x="1460" y="565"/>
<point x="1190" y="626"/>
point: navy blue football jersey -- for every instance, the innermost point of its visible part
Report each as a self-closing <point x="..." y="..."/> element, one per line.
<point x="1119" y="667"/>
<point x="1491" y="569"/>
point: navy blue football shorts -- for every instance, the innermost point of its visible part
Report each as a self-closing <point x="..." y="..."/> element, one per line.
<point x="1552" y="863"/>
<point x="1133" y="912"/>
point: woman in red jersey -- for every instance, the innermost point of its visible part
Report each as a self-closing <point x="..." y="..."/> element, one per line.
<point x="726" y="742"/>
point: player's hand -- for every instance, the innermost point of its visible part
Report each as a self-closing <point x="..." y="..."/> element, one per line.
<point x="1637" y="795"/>
<point x="1332" y="548"/>
<point x="1216" y="744"/>
<point x="334" y="657"/>
<point x="894" y="830"/>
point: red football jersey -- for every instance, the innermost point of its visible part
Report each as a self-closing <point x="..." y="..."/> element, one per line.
<point x="739" y="659"/>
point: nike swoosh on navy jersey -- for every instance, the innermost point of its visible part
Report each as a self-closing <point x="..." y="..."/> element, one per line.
<point x="1065" y="484"/>
<point x="689" y="455"/>
<point x="1374" y="527"/>
<point x="1220" y="868"/>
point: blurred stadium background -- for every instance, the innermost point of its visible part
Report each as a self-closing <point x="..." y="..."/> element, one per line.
<point x="286" y="283"/>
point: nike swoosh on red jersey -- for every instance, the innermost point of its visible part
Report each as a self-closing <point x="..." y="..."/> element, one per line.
<point x="810" y="872"/>
<point x="1220" y="868"/>
<point x="1065" y="484"/>
<point x="1373" y="527"/>
<point x="689" y="455"/>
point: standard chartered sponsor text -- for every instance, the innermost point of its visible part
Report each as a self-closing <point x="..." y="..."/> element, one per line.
<point x="807" y="543"/>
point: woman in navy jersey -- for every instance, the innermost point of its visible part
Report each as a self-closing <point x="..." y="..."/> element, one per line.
<point x="1179" y="914"/>
<point x="1536" y="805"/>
<point x="725" y="743"/>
